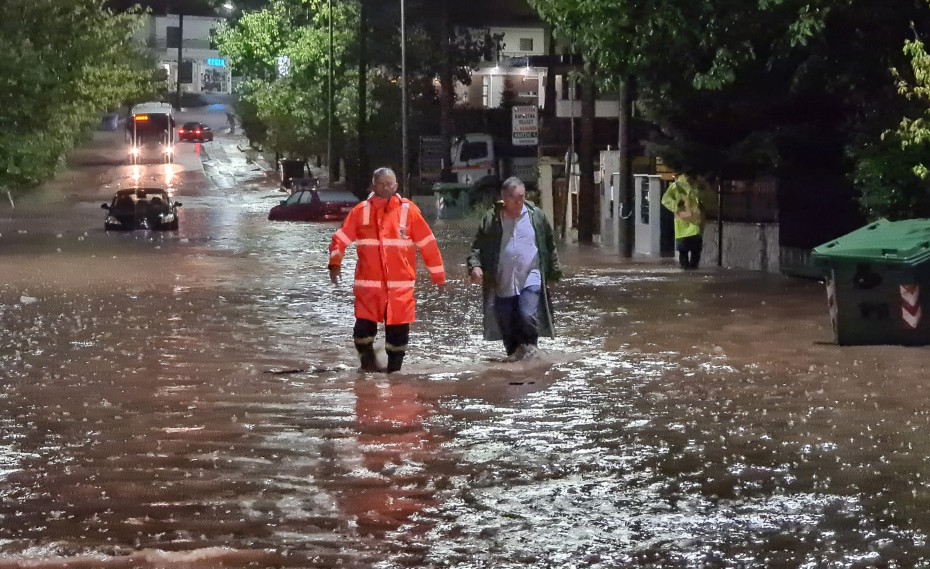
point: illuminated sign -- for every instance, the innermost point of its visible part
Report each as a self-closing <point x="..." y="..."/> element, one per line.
<point x="141" y="118"/>
<point x="216" y="62"/>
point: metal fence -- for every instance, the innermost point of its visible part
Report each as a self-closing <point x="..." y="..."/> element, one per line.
<point x="745" y="201"/>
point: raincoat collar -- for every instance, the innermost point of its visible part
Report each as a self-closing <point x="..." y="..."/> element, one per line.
<point x="384" y="203"/>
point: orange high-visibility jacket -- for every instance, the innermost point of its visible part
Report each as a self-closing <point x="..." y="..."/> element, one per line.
<point x="385" y="233"/>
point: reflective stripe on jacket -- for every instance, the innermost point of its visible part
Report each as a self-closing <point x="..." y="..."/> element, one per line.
<point x="386" y="234"/>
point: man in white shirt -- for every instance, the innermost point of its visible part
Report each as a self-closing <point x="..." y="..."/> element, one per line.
<point x="515" y="244"/>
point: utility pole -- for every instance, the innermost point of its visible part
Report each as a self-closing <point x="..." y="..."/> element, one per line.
<point x="330" y="163"/>
<point x="177" y="97"/>
<point x="625" y="183"/>
<point x="362" y="119"/>
<point x="404" y="190"/>
<point x="587" y="193"/>
<point x="719" y="222"/>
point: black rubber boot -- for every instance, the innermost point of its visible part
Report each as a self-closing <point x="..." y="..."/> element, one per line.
<point x="364" y="337"/>
<point x="395" y="360"/>
<point x="395" y="343"/>
<point x="368" y="360"/>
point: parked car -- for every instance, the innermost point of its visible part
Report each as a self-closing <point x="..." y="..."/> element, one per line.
<point x="314" y="204"/>
<point x="141" y="208"/>
<point x="195" y="132"/>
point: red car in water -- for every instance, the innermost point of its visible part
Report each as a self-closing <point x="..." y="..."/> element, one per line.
<point x="314" y="204"/>
<point x="195" y="132"/>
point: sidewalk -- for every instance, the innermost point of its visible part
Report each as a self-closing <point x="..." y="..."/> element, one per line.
<point x="254" y="156"/>
<point x="267" y="163"/>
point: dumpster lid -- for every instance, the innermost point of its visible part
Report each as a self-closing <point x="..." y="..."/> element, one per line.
<point x="899" y="242"/>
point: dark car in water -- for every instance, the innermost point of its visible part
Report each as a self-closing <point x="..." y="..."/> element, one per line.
<point x="314" y="204"/>
<point x="141" y="208"/>
<point x="195" y="132"/>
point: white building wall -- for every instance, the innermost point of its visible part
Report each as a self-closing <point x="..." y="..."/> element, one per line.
<point x="211" y="71"/>
<point x="518" y="42"/>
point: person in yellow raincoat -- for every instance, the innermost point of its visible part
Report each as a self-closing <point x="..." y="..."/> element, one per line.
<point x="683" y="200"/>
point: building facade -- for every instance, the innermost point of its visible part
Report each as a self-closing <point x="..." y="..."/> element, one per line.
<point x="203" y="69"/>
<point x="496" y="82"/>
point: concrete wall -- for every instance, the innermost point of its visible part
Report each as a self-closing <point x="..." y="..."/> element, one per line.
<point x="752" y="246"/>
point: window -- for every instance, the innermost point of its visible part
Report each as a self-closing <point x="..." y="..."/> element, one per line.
<point x="526" y="44"/>
<point x="334" y="196"/>
<point x="473" y="151"/>
<point x="174" y="36"/>
<point x="292" y="200"/>
<point x="305" y="197"/>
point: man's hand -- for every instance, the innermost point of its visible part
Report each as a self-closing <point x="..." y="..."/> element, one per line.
<point x="476" y="276"/>
<point x="334" y="272"/>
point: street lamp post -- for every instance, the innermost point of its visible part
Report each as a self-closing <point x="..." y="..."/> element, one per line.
<point x="403" y="99"/>
<point x="329" y="106"/>
<point x="180" y="56"/>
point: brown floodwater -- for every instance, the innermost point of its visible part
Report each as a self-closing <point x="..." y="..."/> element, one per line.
<point x="192" y="400"/>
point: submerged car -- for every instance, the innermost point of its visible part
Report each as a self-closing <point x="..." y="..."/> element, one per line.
<point x="195" y="132"/>
<point x="141" y="208"/>
<point x="314" y="204"/>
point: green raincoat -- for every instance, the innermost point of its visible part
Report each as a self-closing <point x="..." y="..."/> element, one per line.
<point x="682" y="197"/>
<point x="485" y="253"/>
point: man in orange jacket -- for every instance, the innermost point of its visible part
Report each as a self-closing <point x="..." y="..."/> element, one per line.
<point x="386" y="229"/>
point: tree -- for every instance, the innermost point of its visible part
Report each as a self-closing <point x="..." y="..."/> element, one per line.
<point x="66" y="62"/>
<point x="290" y="102"/>
<point x="788" y="87"/>
<point x="447" y="53"/>
<point x="289" y="112"/>
<point x="892" y="169"/>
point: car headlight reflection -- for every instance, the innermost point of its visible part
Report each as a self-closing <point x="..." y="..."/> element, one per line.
<point x="113" y="221"/>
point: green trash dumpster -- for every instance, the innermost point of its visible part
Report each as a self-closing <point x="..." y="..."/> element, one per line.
<point x="877" y="280"/>
<point x="453" y="200"/>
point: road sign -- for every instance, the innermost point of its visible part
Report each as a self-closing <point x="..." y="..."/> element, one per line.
<point x="525" y="125"/>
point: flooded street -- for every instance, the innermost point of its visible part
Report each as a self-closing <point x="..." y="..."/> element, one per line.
<point x="190" y="399"/>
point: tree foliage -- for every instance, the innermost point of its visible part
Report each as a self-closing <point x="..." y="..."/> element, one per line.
<point x="288" y="114"/>
<point x="286" y="108"/>
<point x="771" y="87"/>
<point x="65" y="62"/>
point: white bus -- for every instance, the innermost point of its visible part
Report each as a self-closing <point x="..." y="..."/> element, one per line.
<point x="150" y="133"/>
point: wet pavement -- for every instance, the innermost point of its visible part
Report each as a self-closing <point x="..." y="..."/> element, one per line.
<point x="191" y="399"/>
